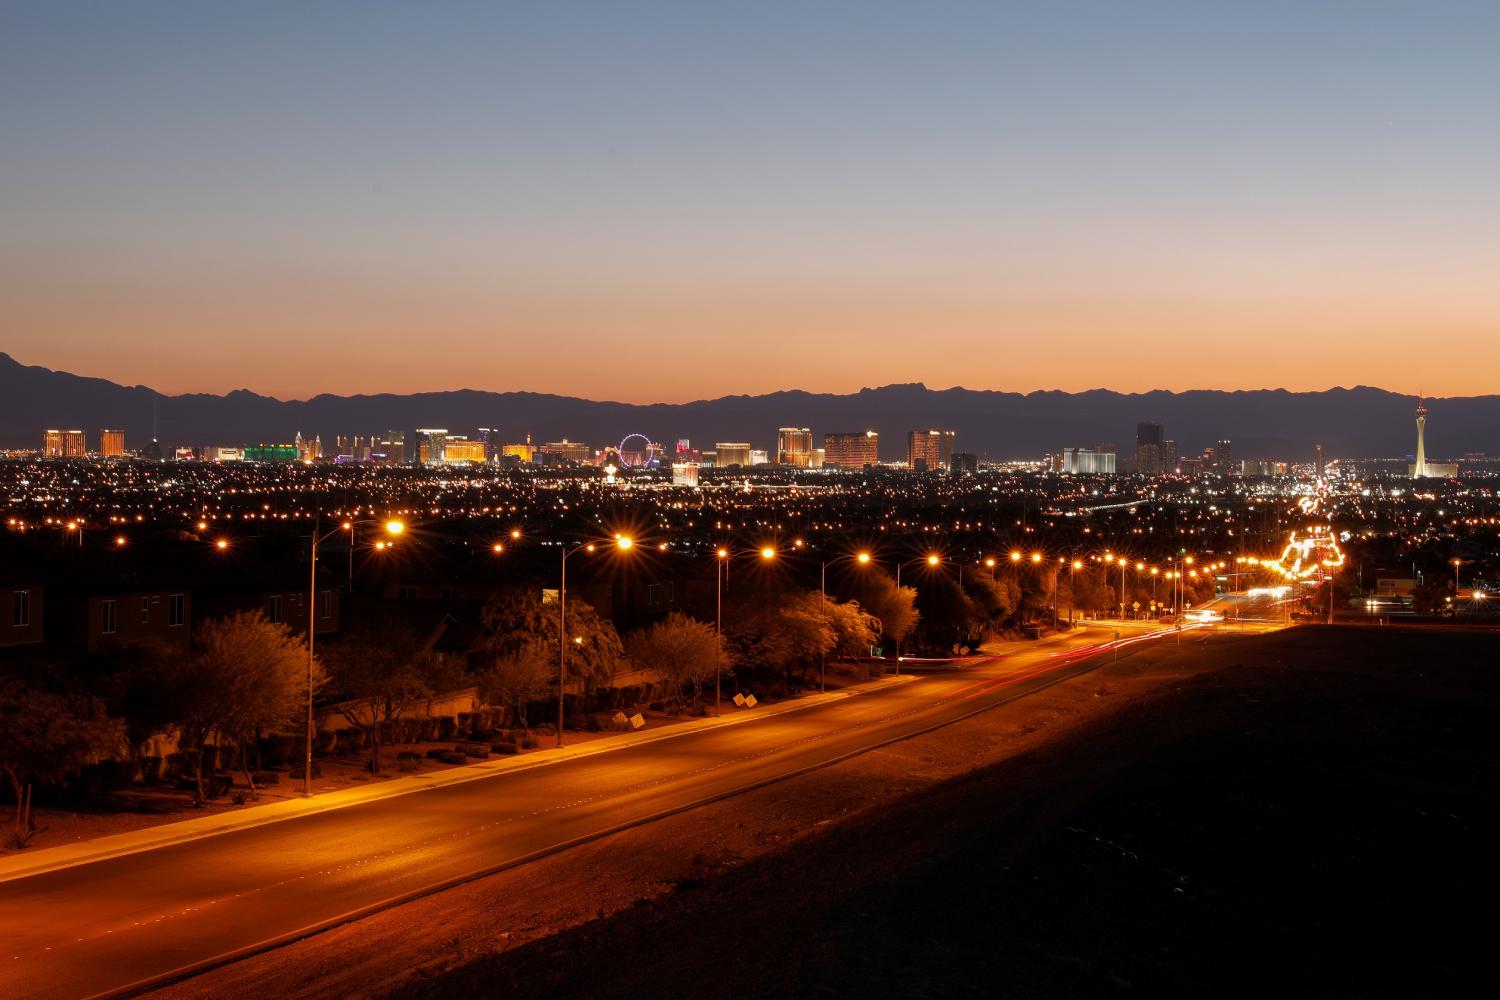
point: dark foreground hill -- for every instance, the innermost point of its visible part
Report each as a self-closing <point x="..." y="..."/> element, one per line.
<point x="1357" y="423"/>
<point x="1318" y="818"/>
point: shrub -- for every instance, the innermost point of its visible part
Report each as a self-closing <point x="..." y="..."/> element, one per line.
<point x="528" y="742"/>
<point x="454" y="758"/>
<point x="408" y="761"/>
<point x="505" y="747"/>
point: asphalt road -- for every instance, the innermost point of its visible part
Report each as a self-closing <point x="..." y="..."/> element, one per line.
<point x="123" y="923"/>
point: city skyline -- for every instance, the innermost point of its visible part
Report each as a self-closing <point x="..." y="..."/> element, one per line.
<point x="1184" y="196"/>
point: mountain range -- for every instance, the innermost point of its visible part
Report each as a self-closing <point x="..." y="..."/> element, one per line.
<point x="1359" y="422"/>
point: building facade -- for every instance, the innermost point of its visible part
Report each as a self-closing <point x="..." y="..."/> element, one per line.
<point x="1097" y="461"/>
<point x="852" y="449"/>
<point x="64" y="444"/>
<point x="794" y="447"/>
<point x="929" y="450"/>
<point x="731" y="453"/>
<point x="112" y="443"/>
<point x="1150" y="449"/>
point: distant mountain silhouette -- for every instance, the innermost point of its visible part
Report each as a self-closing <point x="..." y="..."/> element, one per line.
<point x="1357" y="422"/>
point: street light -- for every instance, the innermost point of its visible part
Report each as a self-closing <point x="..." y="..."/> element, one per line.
<point x="391" y="527"/>
<point x="862" y="559"/>
<point x="931" y="559"/>
<point x="622" y="542"/>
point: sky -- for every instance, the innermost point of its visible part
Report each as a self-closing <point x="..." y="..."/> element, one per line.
<point x="674" y="201"/>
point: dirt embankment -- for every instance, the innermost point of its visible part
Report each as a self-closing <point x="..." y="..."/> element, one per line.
<point x="1310" y="812"/>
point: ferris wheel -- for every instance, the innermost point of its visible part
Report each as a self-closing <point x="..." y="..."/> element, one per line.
<point x="637" y="452"/>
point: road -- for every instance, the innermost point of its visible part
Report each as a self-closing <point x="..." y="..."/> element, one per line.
<point x="120" y="924"/>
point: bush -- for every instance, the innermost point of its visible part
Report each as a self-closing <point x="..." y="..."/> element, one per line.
<point x="505" y="747"/>
<point x="479" y="750"/>
<point x="528" y="742"/>
<point x="438" y="753"/>
<point x="408" y="761"/>
<point x="454" y="758"/>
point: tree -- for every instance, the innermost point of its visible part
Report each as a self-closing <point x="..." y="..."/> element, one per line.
<point x="679" y="648"/>
<point x="518" y="677"/>
<point x="47" y="736"/>
<point x="378" y="677"/>
<point x="946" y="611"/>
<point x="246" y="675"/>
<point x="855" y="630"/>
<point x="895" y="607"/>
<point x="519" y="617"/>
<point x="779" y="631"/>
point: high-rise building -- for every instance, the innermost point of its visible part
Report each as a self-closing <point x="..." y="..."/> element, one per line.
<point x="1318" y="463"/>
<point x="1419" y="467"/>
<point x="963" y="464"/>
<point x="730" y="453"/>
<point x="852" y="449"/>
<point x="431" y="445"/>
<point x="1169" y="455"/>
<point x="1224" y="457"/>
<point x="1097" y="461"/>
<point x="392" y="445"/>
<point x="564" y="451"/>
<point x="924" y="450"/>
<point x="758" y="456"/>
<point x="63" y="444"/>
<point x="686" y="452"/>
<point x="684" y="473"/>
<point x="457" y="451"/>
<point x="794" y="447"/>
<point x="112" y="443"/>
<point x="1149" y="441"/>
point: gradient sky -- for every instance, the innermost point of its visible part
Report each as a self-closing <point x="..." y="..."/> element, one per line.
<point x="668" y="201"/>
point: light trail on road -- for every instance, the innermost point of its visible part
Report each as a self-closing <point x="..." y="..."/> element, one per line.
<point x="123" y="924"/>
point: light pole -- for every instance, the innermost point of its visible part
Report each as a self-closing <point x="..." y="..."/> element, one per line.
<point x="863" y="559"/>
<point x="394" y="528"/>
<point x="1457" y="583"/>
<point x="1073" y="568"/>
<point x="721" y="570"/>
<point x="624" y="544"/>
<point x="932" y="559"/>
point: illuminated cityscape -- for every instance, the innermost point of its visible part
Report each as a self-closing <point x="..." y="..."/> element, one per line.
<point x="748" y="500"/>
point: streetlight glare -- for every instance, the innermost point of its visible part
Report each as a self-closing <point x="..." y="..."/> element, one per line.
<point x="497" y="547"/>
<point x="863" y="557"/>
<point x="221" y="544"/>
<point x="515" y="533"/>
<point x="1015" y="557"/>
<point x="990" y="562"/>
<point x="119" y="539"/>
<point x="768" y="553"/>
<point x="1077" y="564"/>
<point x="723" y="553"/>
<point x="395" y="527"/>
<point x="624" y="541"/>
<point x="933" y="560"/>
<point x="1036" y="557"/>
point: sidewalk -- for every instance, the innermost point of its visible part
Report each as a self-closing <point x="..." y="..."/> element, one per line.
<point x="22" y="865"/>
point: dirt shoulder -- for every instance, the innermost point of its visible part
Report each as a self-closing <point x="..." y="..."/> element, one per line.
<point x="542" y="903"/>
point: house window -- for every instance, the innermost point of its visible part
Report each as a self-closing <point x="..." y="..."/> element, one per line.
<point x="653" y="594"/>
<point x="325" y="604"/>
<point x="21" y="608"/>
<point x="145" y="611"/>
<point x="273" y="609"/>
<point x="109" y="618"/>
<point x="177" y="610"/>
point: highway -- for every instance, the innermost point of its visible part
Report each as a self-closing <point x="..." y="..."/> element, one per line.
<point x="119" y="925"/>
